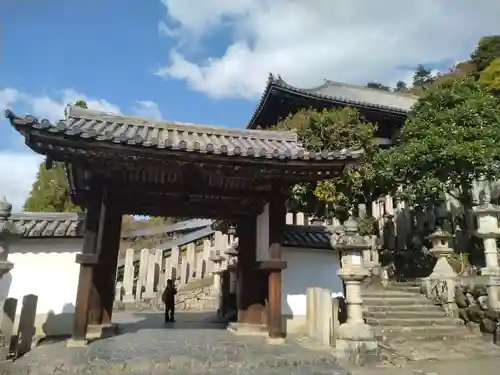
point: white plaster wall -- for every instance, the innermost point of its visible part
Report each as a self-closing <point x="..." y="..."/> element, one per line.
<point x="47" y="269"/>
<point x="307" y="268"/>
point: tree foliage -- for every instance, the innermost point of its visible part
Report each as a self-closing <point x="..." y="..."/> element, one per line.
<point x="378" y="86"/>
<point x="401" y="86"/>
<point x="422" y="76"/>
<point x="50" y="191"/>
<point x="487" y="50"/>
<point x="337" y="129"/>
<point x="490" y="76"/>
<point x="450" y="138"/>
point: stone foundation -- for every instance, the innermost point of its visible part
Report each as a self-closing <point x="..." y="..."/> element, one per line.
<point x="473" y="309"/>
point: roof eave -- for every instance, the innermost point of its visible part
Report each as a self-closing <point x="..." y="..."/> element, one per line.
<point x="274" y="85"/>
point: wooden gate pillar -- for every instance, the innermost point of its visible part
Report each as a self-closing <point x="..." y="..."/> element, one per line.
<point x="88" y="259"/>
<point x="251" y="300"/>
<point x="109" y="252"/>
<point x="277" y="222"/>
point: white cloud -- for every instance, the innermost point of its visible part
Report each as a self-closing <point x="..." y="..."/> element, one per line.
<point x="148" y="109"/>
<point x="18" y="169"/>
<point x="53" y="109"/>
<point x="307" y="41"/>
<point x="18" y="172"/>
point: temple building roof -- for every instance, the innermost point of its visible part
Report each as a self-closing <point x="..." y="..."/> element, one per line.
<point x="342" y="94"/>
<point x="106" y="128"/>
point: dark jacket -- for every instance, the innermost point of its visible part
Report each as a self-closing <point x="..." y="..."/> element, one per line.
<point x="168" y="295"/>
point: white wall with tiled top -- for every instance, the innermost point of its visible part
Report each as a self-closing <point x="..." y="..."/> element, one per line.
<point x="306" y="268"/>
<point x="46" y="268"/>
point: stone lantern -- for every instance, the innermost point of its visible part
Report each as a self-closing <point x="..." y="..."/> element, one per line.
<point x="442" y="273"/>
<point x="232" y="253"/>
<point x="488" y="231"/>
<point x="441" y="249"/>
<point x="8" y="232"/>
<point x="354" y="335"/>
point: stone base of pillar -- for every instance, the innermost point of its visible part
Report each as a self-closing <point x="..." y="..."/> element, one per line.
<point x="94" y="331"/>
<point x="71" y="343"/>
<point x="490" y="271"/>
<point x="247" y="329"/>
<point x="355" y="338"/>
<point x="128" y="298"/>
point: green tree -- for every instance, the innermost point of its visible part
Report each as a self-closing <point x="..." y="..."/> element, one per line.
<point x="422" y="76"/>
<point x="378" y="86"/>
<point x="487" y="50"/>
<point x="490" y="76"/>
<point x="400" y="86"/>
<point x="450" y="138"/>
<point x="337" y="129"/>
<point x="50" y="191"/>
<point x="80" y="103"/>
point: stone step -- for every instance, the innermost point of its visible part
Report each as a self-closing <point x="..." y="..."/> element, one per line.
<point x="410" y="322"/>
<point x="405" y="314"/>
<point x="394" y="300"/>
<point x="405" y="288"/>
<point x="451" y="332"/>
<point x="424" y="307"/>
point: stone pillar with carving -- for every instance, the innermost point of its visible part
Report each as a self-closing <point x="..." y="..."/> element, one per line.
<point x="440" y="284"/>
<point x="8" y="232"/>
<point x="354" y="335"/>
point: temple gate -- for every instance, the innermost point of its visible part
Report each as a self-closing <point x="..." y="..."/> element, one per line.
<point x="120" y="165"/>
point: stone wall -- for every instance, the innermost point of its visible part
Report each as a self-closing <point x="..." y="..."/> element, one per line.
<point x="473" y="309"/>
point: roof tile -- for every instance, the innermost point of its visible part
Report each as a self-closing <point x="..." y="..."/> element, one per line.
<point x="112" y="128"/>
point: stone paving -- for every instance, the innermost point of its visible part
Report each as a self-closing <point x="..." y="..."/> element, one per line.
<point x="193" y="345"/>
<point x="196" y="344"/>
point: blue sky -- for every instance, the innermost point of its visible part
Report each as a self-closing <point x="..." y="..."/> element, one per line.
<point x="207" y="61"/>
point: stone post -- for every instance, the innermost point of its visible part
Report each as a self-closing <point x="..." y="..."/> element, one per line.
<point x="150" y="276"/>
<point x="442" y="274"/>
<point x="191" y="260"/>
<point x="174" y="263"/>
<point x="158" y="270"/>
<point x="204" y="263"/>
<point x="184" y="269"/>
<point x="128" y="276"/>
<point x="354" y="335"/>
<point x="143" y="272"/>
<point x="487" y="217"/>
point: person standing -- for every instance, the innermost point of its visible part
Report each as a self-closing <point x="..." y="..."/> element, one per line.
<point x="168" y="298"/>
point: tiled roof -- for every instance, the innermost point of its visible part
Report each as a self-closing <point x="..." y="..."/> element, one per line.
<point x="46" y="224"/>
<point x="116" y="129"/>
<point x="316" y="237"/>
<point x="181" y="226"/>
<point x="342" y="93"/>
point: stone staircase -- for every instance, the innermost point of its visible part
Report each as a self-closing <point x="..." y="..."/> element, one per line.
<point x="401" y="312"/>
